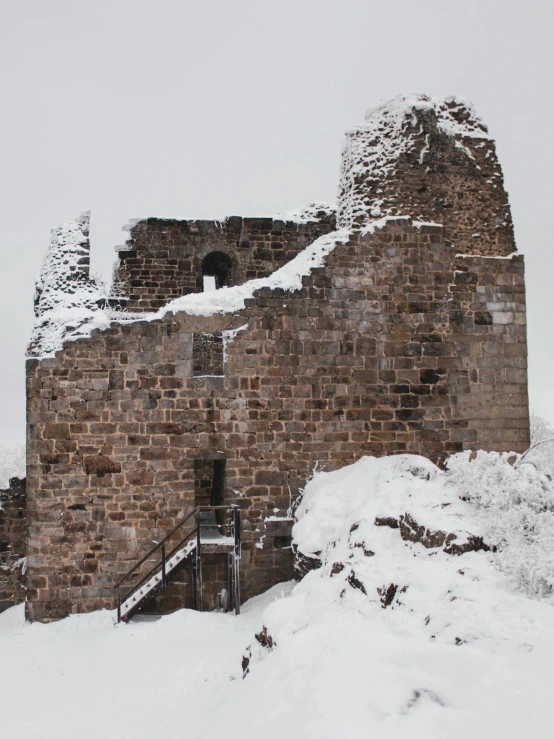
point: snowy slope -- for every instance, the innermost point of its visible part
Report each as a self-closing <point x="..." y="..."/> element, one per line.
<point x="458" y="649"/>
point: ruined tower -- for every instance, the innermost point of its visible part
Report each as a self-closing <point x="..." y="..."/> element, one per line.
<point x="399" y="328"/>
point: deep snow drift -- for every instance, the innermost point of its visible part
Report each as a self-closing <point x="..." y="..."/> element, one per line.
<point x="392" y="633"/>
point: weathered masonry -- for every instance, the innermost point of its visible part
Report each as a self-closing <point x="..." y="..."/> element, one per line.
<point x="402" y="331"/>
<point x="13" y="544"/>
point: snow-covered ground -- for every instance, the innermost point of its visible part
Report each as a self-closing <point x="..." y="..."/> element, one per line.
<point x="392" y="635"/>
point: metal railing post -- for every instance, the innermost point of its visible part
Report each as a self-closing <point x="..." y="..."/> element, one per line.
<point x="164" y="561"/>
<point x="198" y="562"/>
<point x="236" y="561"/>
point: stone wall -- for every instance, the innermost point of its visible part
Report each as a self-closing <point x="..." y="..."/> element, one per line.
<point x="163" y="258"/>
<point x="445" y="173"/>
<point x="13" y="544"/>
<point x="396" y="345"/>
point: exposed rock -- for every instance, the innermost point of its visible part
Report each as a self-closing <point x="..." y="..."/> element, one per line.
<point x="387" y="521"/>
<point x="246" y="662"/>
<point x="411" y="530"/>
<point x="265" y="639"/>
<point x="472" y="544"/>
<point x="304" y="564"/>
<point x="355" y="583"/>
<point x="387" y="593"/>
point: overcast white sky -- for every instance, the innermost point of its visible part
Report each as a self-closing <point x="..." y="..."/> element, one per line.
<point x="204" y="109"/>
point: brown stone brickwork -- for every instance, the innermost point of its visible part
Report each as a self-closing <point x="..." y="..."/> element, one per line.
<point x="456" y="181"/>
<point x="13" y="544"/>
<point x="163" y="258"/>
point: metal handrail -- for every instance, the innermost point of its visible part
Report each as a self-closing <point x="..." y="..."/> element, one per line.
<point x="158" y="545"/>
<point x="165" y="558"/>
<point x="234" y="524"/>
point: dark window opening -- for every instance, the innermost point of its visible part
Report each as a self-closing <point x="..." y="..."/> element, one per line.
<point x="207" y="355"/>
<point x="217" y="266"/>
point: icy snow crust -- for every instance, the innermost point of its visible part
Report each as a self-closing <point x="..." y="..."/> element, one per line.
<point x="372" y="150"/>
<point x="460" y="651"/>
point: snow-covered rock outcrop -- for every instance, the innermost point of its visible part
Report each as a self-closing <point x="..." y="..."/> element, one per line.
<point x="428" y="593"/>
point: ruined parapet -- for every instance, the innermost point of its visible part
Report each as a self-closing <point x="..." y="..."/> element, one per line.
<point x="65" y="295"/>
<point x="165" y="259"/>
<point x="433" y="160"/>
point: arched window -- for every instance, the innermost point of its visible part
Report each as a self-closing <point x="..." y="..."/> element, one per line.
<point x="216" y="270"/>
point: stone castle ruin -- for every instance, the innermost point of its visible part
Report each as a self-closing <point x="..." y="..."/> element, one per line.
<point x="233" y="357"/>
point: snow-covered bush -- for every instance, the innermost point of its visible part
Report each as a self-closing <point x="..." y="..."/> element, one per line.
<point x="541" y="452"/>
<point x="12" y="464"/>
<point x="514" y="499"/>
<point x="540" y="428"/>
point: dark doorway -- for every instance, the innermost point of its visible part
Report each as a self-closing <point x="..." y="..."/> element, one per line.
<point x="209" y="482"/>
<point x="218" y="486"/>
<point x="219" y="265"/>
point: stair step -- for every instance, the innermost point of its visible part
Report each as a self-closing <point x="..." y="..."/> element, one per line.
<point x="133" y="600"/>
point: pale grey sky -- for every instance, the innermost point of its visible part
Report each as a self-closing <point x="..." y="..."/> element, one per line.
<point x="133" y="108"/>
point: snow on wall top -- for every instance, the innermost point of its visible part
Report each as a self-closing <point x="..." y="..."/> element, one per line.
<point x="288" y="277"/>
<point x="310" y="213"/>
<point x="65" y="295"/>
<point x="307" y="214"/>
<point x="391" y="129"/>
<point x="75" y="306"/>
<point x="73" y="314"/>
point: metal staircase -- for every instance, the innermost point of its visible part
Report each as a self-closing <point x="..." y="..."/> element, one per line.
<point x="204" y="534"/>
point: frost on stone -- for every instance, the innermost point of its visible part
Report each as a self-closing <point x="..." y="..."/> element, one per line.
<point x="67" y="300"/>
<point x="391" y="129"/>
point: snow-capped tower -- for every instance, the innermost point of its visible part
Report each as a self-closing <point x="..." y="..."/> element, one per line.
<point x="433" y="160"/>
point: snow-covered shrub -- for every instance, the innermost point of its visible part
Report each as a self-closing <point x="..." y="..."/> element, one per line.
<point x="541" y="452"/>
<point x="540" y="428"/>
<point x="12" y="464"/>
<point x="514" y="499"/>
